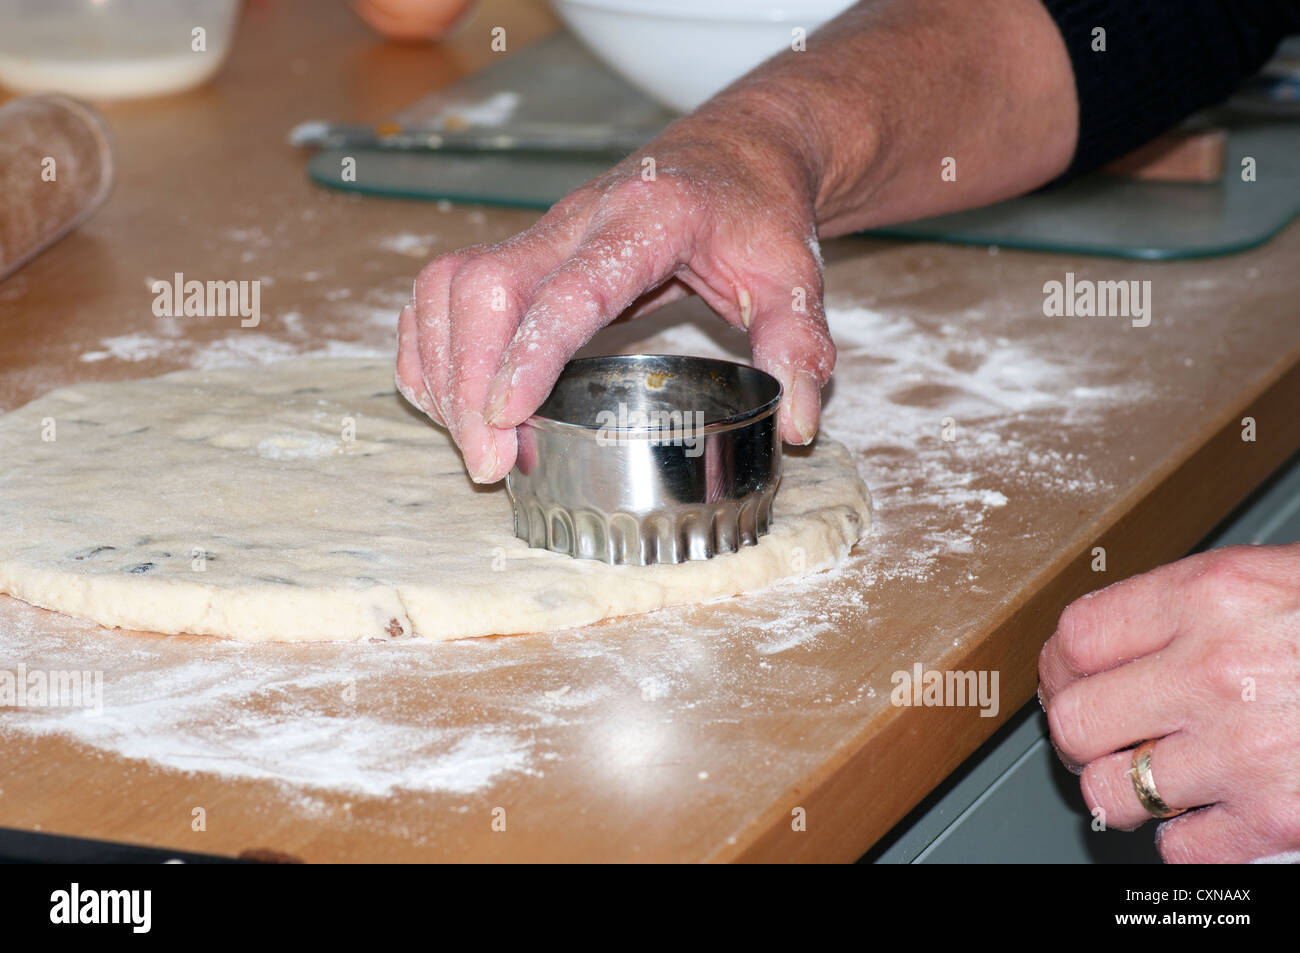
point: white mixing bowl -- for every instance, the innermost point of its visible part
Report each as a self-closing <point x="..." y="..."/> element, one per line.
<point x="681" y="52"/>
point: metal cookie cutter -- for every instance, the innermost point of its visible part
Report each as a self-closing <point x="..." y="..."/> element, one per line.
<point x="649" y="458"/>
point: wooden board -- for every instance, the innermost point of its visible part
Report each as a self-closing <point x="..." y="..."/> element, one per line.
<point x="682" y="736"/>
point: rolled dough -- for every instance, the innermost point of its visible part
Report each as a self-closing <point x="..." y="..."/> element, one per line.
<point x="304" y="500"/>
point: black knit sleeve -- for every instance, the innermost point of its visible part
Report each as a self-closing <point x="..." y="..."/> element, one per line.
<point x="1158" y="61"/>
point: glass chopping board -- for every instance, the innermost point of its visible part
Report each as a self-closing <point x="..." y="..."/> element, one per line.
<point x="557" y="80"/>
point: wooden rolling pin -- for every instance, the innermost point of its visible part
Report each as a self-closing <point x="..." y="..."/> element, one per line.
<point x="56" y="168"/>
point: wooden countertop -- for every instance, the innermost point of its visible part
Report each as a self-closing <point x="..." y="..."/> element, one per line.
<point x="691" y="734"/>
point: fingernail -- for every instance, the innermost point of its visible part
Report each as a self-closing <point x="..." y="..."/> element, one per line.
<point x="496" y="402"/>
<point x="805" y="404"/>
<point x="474" y="432"/>
<point x="746" y="306"/>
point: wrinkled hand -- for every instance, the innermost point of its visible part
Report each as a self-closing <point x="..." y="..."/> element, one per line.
<point x="1204" y="655"/>
<point x="723" y="215"/>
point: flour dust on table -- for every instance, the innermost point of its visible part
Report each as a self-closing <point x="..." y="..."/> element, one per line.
<point x="305" y="501"/>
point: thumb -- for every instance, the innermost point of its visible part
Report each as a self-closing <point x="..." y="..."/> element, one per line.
<point x="791" y="341"/>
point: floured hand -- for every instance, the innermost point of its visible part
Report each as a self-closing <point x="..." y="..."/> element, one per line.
<point x="492" y="326"/>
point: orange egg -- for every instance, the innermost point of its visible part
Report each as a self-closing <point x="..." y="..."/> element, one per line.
<point x="411" y="19"/>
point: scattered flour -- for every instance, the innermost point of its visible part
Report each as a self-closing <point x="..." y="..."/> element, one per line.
<point x="250" y="715"/>
<point x="410" y="244"/>
<point x="297" y="446"/>
<point x="898" y="386"/>
<point x="234" y="350"/>
<point x="128" y="347"/>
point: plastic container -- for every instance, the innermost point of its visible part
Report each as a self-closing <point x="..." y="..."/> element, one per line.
<point x="113" y="49"/>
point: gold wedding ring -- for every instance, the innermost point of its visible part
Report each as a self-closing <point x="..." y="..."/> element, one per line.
<point x="1144" y="784"/>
